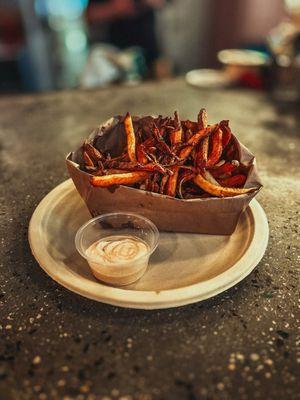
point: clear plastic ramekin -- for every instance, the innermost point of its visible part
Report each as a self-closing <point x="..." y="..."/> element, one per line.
<point x="117" y="273"/>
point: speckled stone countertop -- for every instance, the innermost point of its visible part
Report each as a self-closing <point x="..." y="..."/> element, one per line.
<point x="57" y="345"/>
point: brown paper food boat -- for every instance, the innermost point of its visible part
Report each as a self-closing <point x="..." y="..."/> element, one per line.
<point x="217" y="216"/>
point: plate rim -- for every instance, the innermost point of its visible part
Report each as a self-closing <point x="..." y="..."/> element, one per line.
<point x="148" y="300"/>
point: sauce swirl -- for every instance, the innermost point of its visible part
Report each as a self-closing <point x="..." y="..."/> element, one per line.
<point x="112" y="250"/>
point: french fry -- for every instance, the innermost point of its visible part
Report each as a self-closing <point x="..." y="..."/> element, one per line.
<point x="190" y="125"/>
<point x="185" y="177"/>
<point x="157" y="134"/>
<point x="202" y="155"/>
<point x="175" y="137"/>
<point x="221" y="162"/>
<point x="148" y="184"/>
<point x="233" y="181"/>
<point x="158" y="140"/>
<point x="226" y="169"/>
<point x="202" y="133"/>
<point x="130" y="166"/>
<point x="141" y="154"/>
<point x="122" y="157"/>
<point x="149" y="142"/>
<point x="115" y="171"/>
<point x="231" y="151"/>
<point x="202" y="118"/>
<point x="193" y="141"/>
<point x="100" y="169"/>
<point x="172" y="182"/>
<point x="188" y="134"/>
<point x="128" y="178"/>
<point x="93" y="153"/>
<point x="130" y="137"/>
<point x="162" y="146"/>
<point x="91" y="170"/>
<point x="176" y="134"/>
<point x="87" y="160"/>
<point x="163" y="184"/>
<point x="208" y="176"/>
<point x="216" y="148"/>
<point x="224" y="126"/>
<point x="219" y="191"/>
<point x="182" y="159"/>
<point x="155" y="185"/>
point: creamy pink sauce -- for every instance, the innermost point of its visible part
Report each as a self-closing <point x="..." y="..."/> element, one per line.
<point x="114" y="250"/>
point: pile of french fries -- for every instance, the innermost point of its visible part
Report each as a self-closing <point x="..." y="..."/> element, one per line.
<point x="181" y="159"/>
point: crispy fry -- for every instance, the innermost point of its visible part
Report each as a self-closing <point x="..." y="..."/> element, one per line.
<point x="202" y="118"/>
<point x="172" y="182"/>
<point x="216" y="148"/>
<point x="141" y="154"/>
<point x="233" y="181"/>
<point x="162" y="146"/>
<point x="188" y="134"/>
<point x="158" y="140"/>
<point x="208" y="176"/>
<point x="91" y="170"/>
<point x="202" y="155"/>
<point x="149" y="142"/>
<point x="128" y="178"/>
<point x="225" y="169"/>
<point x="130" y="137"/>
<point x="224" y="126"/>
<point x="130" y="166"/>
<point x="163" y="183"/>
<point x="93" y="153"/>
<point x="231" y="151"/>
<point x="155" y="185"/>
<point x="148" y="184"/>
<point x="193" y="141"/>
<point x="185" y="177"/>
<point x="190" y="125"/>
<point x="157" y="134"/>
<point x="219" y="191"/>
<point x="175" y="137"/>
<point x="182" y="159"/>
<point x="115" y="171"/>
<point x="100" y="169"/>
<point x="122" y="157"/>
<point x="221" y="162"/>
<point x="176" y="134"/>
<point x="87" y="160"/>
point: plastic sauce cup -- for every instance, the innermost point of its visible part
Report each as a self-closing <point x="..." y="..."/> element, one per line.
<point x="123" y="236"/>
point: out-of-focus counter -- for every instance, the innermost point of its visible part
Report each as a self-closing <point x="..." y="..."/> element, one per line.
<point x="57" y="345"/>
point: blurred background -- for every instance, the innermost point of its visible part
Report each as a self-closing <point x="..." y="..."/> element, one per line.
<point x="57" y="44"/>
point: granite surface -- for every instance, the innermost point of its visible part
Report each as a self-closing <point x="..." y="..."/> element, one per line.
<point x="56" y="345"/>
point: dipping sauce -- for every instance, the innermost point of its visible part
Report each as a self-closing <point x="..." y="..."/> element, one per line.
<point x="118" y="260"/>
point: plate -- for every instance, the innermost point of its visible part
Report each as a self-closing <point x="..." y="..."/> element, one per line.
<point x="243" y="57"/>
<point x="186" y="268"/>
<point x="208" y="78"/>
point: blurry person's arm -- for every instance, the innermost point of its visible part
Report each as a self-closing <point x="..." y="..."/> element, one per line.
<point x="112" y="9"/>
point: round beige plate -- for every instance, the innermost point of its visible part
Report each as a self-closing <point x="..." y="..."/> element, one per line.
<point x="185" y="268"/>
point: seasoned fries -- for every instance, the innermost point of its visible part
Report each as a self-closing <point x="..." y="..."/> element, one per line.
<point x="176" y="134"/>
<point x="172" y="157"/>
<point x="172" y="182"/>
<point x="202" y="118"/>
<point x="216" y="148"/>
<point x="128" y="178"/>
<point x="217" y="190"/>
<point x="130" y="137"/>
